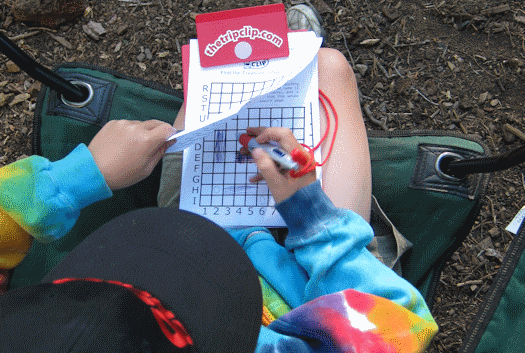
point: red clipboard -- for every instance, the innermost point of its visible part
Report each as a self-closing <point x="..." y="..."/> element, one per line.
<point x="241" y="35"/>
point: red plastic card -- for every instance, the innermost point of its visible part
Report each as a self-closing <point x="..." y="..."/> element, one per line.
<point x="248" y="34"/>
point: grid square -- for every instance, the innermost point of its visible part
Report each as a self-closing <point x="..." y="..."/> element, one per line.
<point x="287" y="112"/>
<point x="205" y="200"/>
<point x="226" y="98"/>
<point x="229" y="168"/>
<point x="298" y="123"/>
<point x="253" y="113"/>
<point x="277" y="113"/>
<point x="276" y="123"/>
<point x="262" y="200"/>
<point x="217" y="200"/>
<point x="206" y="190"/>
<point x="229" y="179"/>
<point x="251" y="200"/>
<point x="218" y="168"/>
<point x="218" y="190"/>
<point x="298" y="112"/>
<point x="219" y="156"/>
<point x="247" y="87"/>
<point x="239" y="200"/>
<point x="265" y="122"/>
<point x="216" y="87"/>
<point x="227" y="88"/>
<point x="228" y="190"/>
<point x="207" y="157"/>
<point x="238" y="87"/>
<point x="214" y="108"/>
<point x="207" y="168"/>
<point x="206" y="179"/>
<point x="252" y="168"/>
<point x="218" y="179"/>
<point x="230" y="156"/>
<point x="287" y="123"/>
<point x="215" y="98"/>
<point x="231" y="146"/>
<point x="231" y="135"/>
<point x="242" y="125"/>
<point x="266" y="113"/>
<point x="240" y="178"/>
<point x="241" y="168"/>
<point x="227" y="201"/>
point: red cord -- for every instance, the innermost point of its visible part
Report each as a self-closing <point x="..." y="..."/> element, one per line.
<point x="298" y="155"/>
<point x="170" y="326"/>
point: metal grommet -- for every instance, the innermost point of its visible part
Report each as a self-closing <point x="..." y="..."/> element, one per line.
<point x="91" y="93"/>
<point x="440" y="158"/>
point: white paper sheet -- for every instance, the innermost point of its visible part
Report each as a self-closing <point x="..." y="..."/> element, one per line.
<point x="215" y="177"/>
<point x="217" y="93"/>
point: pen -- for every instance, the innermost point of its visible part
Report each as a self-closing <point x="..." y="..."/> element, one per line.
<point x="283" y="159"/>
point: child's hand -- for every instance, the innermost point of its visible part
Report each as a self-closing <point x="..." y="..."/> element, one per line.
<point x="281" y="185"/>
<point x="126" y="151"/>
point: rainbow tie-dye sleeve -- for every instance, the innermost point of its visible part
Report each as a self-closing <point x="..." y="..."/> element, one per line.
<point x="352" y="321"/>
<point x="42" y="200"/>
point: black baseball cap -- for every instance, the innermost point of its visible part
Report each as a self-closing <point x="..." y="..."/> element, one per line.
<point x="152" y="280"/>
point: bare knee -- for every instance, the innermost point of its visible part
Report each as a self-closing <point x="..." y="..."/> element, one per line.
<point x="334" y="65"/>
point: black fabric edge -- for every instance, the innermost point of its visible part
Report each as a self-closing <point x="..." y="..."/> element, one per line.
<point x="37" y="121"/>
<point x="492" y="298"/>
<point x="150" y="84"/>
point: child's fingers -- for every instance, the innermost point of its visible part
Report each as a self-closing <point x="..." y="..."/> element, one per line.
<point x="152" y="124"/>
<point x="256" y="178"/>
<point x="255" y="130"/>
<point x="283" y="136"/>
<point x="158" y="135"/>
<point x="267" y="168"/>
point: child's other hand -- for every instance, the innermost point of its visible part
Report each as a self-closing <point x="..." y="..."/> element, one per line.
<point x="281" y="185"/>
<point x="126" y="151"/>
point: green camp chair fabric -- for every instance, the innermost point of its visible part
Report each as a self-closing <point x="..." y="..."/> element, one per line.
<point x="434" y="222"/>
<point x="58" y="131"/>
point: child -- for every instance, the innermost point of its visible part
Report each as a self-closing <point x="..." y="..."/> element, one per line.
<point x="324" y="291"/>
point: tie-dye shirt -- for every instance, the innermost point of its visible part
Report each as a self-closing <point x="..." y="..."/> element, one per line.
<point x="340" y="297"/>
<point x="323" y="291"/>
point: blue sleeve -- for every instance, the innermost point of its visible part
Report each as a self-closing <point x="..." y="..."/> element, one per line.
<point x="45" y="198"/>
<point x="330" y="245"/>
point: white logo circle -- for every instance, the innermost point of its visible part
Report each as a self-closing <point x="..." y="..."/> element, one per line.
<point x="243" y="50"/>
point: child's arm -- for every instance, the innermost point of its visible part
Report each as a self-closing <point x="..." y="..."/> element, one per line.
<point x="43" y="199"/>
<point x="330" y="245"/>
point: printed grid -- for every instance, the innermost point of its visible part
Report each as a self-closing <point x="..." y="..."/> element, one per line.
<point x="226" y="173"/>
<point x="224" y="95"/>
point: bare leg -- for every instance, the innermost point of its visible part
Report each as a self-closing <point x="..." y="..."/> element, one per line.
<point x="346" y="175"/>
<point x="181" y="118"/>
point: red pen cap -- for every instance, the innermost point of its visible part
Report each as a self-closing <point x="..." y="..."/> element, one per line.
<point x="300" y="156"/>
<point x="244" y="139"/>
